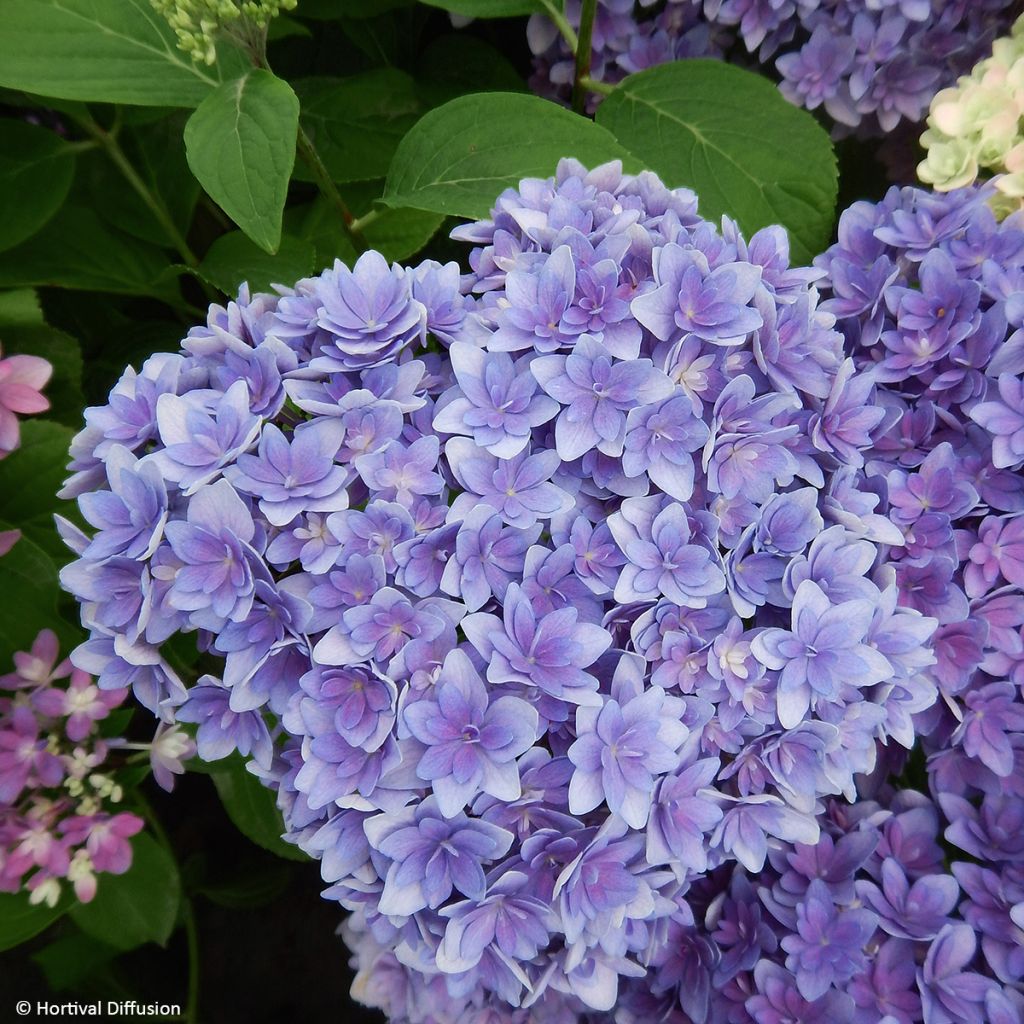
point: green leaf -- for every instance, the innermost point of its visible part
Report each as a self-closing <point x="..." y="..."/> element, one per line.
<point x="396" y="234"/>
<point x="488" y="8"/>
<point x="72" y="959"/>
<point x="20" y="921"/>
<point x="77" y="250"/>
<point x="64" y="389"/>
<point x="356" y="123"/>
<point x="20" y="308"/>
<point x="458" y="158"/>
<point x="730" y="136"/>
<point x="457" y="64"/>
<point x="29" y="480"/>
<point x="240" y="144"/>
<point x="103" y="51"/>
<point x="250" y="805"/>
<point x="137" y="907"/>
<point x="28" y="603"/>
<point x="36" y="168"/>
<point x="233" y="258"/>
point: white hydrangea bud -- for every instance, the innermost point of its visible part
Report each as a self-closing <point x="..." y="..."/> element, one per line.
<point x="198" y="23"/>
<point x="975" y="128"/>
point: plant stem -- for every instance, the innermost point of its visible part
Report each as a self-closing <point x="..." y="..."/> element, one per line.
<point x="108" y="141"/>
<point x="329" y="190"/>
<point x="367" y="218"/>
<point x="596" y="85"/>
<point x="188" y="917"/>
<point x="313" y="160"/>
<point x="192" y="937"/>
<point x="562" y="24"/>
<point x="583" y="49"/>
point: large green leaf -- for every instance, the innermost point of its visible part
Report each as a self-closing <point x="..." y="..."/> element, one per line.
<point x="20" y="921"/>
<point x="250" y="805"/>
<point x="29" y="481"/>
<point x="110" y="51"/>
<point x="730" y="136"/>
<point x="28" y="603"/>
<point x="240" y="144"/>
<point x="36" y="169"/>
<point x="458" y="158"/>
<point x="139" y="906"/>
<point x="356" y="123"/>
<point x="77" y="250"/>
<point x="233" y="258"/>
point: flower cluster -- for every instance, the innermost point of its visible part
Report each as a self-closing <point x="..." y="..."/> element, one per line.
<point x="537" y="594"/>
<point x="58" y="800"/>
<point x="197" y="23"/>
<point x="929" y="292"/>
<point x="976" y="125"/>
<point x="869" y="63"/>
<point x="22" y="379"/>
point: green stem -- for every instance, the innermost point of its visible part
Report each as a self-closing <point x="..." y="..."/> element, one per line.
<point x="583" y="50"/>
<point x="108" y="141"/>
<point x="562" y="24"/>
<point x="307" y="151"/>
<point x="329" y="190"/>
<point x="596" y="85"/>
<point x="187" y="912"/>
<point x="360" y="223"/>
<point x="192" y="937"/>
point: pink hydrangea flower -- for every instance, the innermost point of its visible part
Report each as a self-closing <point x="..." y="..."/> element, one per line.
<point x="22" y="379"/>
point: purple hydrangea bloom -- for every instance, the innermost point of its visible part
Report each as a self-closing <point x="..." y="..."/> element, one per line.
<point x="824" y="650"/>
<point x="130" y="517"/>
<point x="595" y="393"/>
<point x="496" y="401"/>
<point x="216" y="582"/>
<point x="547" y="651"/>
<point x="579" y="611"/>
<point x="367" y="314"/>
<point x="223" y="731"/>
<point x="660" y="558"/>
<point x="198" y="443"/>
<point x="692" y="298"/>
<point x="431" y="855"/>
<point x="910" y="911"/>
<point x="472" y="744"/>
<point x="519" y="488"/>
<point x="300" y="475"/>
<point x="949" y="992"/>
<point x="828" y="945"/>
<point x="624" y="745"/>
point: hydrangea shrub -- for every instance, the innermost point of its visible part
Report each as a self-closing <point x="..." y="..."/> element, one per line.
<point x="870" y="64"/>
<point x="590" y="613"/>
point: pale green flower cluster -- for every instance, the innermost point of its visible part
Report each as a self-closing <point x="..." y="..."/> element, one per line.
<point x="197" y="23"/>
<point x="978" y="125"/>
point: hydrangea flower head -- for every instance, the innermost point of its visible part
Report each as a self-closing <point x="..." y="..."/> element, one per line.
<point x="554" y="596"/>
